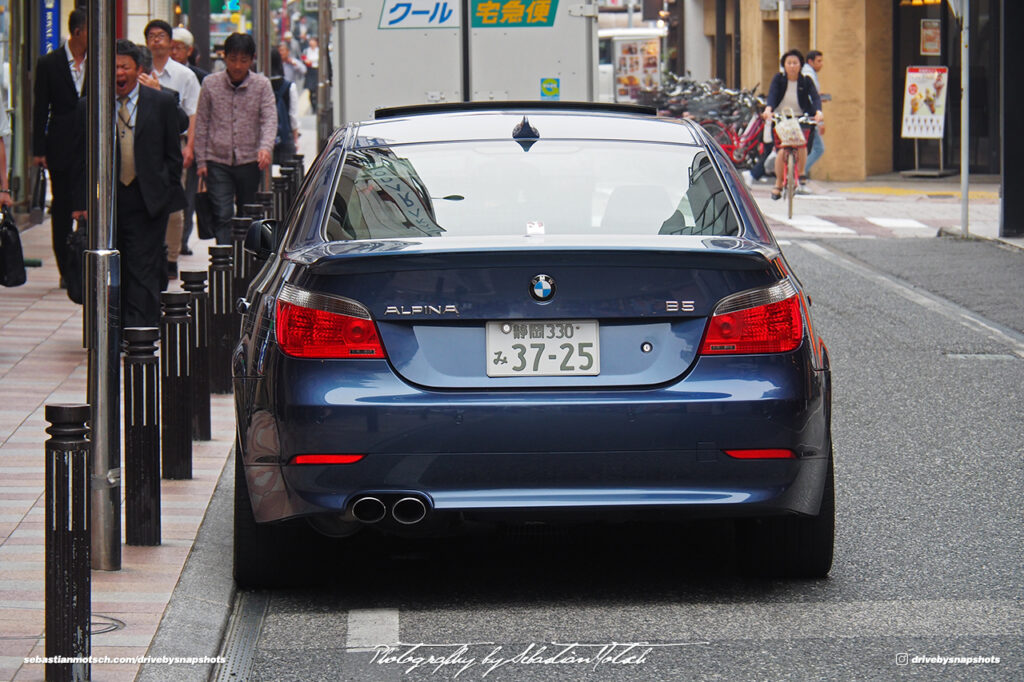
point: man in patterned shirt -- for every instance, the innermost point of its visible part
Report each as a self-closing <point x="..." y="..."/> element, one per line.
<point x="236" y="124"/>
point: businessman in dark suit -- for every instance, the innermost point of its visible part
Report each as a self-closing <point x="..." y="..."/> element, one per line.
<point x="60" y="82"/>
<point x="148" y="186"/>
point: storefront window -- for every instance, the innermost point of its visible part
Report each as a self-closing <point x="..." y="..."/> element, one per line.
<point x="929" y="35"/>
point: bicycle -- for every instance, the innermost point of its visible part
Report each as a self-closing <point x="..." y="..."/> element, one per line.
<point x="789" y="160"/>
<point x="743" y="149"/>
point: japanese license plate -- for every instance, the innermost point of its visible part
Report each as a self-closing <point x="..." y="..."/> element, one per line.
<point x="545" y="348"/>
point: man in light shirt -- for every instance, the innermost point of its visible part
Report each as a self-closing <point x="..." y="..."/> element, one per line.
<point x="815" y="60"/>
<point x="169" y="73"/>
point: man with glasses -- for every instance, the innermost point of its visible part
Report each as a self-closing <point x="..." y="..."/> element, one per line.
<point x="169" y="73"/>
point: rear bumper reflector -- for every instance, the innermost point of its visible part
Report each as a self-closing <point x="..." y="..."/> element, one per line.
<point x="326" y="459"/>
<point x="766" y="453"/>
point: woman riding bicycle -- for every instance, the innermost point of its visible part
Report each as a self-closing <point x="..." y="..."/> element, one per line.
<point x="796" y="92"/>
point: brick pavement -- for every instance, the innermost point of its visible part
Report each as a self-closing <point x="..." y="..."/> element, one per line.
<point x="42" y="361"/>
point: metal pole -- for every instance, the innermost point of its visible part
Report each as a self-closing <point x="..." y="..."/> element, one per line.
<point x="103" y="291"/>
<point x="325" y="110"/>
<point x="262" y="28"/>
<point x="965" y="116"/>
<point x="720" y="51"/>
<point x="783" y="26"/>
<point x="199" y="24"/>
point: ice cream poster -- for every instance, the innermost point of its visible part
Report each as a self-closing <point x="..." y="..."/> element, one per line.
<point x="924" y="102"/>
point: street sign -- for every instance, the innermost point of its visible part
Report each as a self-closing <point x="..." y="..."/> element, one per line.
<point x="49" y="26"/>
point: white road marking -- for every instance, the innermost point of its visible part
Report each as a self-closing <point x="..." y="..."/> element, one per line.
<point x="810" y="223"/>
<point x="892" y="223"/>
<point x="371" y="628"/>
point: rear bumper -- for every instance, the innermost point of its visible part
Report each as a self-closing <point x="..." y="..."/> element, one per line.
<point x="615" y="452"/>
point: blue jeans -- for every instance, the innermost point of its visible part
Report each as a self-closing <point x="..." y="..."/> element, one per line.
<point x="230" y="188"/>
<point x="817" y="149"/>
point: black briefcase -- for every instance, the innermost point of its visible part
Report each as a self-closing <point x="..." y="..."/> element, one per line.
<point x="12" y="258"/>
<point x="37" y="208"/>
<point x="205" y="222"/>
<point x="74" y="278"/>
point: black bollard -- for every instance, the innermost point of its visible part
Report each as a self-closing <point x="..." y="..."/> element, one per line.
<point x="281" y="205"/>
<point x="68" y="599"/>
<point x="253" y="211"/>
<point x="298" y="160"/>
<point x="141" y="437"/>
<point x="240" y="275"/>
<point x="176" y="382"/>
<point x="285" y="169"/>
<point x="194" y="282"/>
<point x="267" y="201"/>
<point x="296" y="182"/>
<point x="223" y="332"/>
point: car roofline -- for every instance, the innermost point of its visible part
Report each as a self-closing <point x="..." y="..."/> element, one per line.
<point x="498" y="106"/>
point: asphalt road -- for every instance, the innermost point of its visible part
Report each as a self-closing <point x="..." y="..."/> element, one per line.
<point x="928" y="372"/>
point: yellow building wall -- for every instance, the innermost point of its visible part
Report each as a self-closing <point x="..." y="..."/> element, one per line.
<point x="856" y="38"/>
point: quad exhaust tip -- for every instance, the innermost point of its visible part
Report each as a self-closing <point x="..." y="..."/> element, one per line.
<point x="409" y="510"/>
<point x="369" y="510"/>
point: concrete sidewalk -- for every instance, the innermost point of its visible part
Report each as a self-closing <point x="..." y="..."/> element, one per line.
<point x="42" y="361"/>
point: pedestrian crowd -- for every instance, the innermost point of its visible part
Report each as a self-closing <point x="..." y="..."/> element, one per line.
<point x="175" y="126"/>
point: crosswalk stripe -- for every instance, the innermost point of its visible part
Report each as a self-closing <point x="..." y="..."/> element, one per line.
<point x="810" y="223"/>
<point x="371" y="628"/>
<point x="894" y="223"/>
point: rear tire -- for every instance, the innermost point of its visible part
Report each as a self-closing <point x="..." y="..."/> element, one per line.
<point x="791" y="546"/>
<point x="267" y="555"/>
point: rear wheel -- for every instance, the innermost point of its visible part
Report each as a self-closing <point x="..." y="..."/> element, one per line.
<point x="267" y="555"/>
<point x="791" y="546"/>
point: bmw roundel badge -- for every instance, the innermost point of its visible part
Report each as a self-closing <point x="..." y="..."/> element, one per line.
<point x="542" y="288"/>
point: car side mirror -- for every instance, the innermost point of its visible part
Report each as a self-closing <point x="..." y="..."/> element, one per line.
<point x="259" y="240"/>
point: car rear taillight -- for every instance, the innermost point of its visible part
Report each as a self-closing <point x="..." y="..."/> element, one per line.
<point x="759" y="321"/>
<point x="326" y="459"/>
<point x="313" y="325"/>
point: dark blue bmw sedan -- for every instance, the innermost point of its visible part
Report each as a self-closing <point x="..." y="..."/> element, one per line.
<point x="509" y="312"/>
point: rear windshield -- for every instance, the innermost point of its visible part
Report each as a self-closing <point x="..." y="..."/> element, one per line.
<point x="508" y="187"/>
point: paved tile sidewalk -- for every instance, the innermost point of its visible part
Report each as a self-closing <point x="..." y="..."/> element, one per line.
<point x="42" y="361"/>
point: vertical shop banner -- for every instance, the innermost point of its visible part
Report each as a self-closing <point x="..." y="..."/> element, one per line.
<point x="49" y="26"/>
<point x="924" y="102"/>
<point x="931" y="38"/>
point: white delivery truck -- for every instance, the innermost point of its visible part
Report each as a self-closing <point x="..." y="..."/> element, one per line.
<point x="630" y="61"/>
<point x="397" y="52"/>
